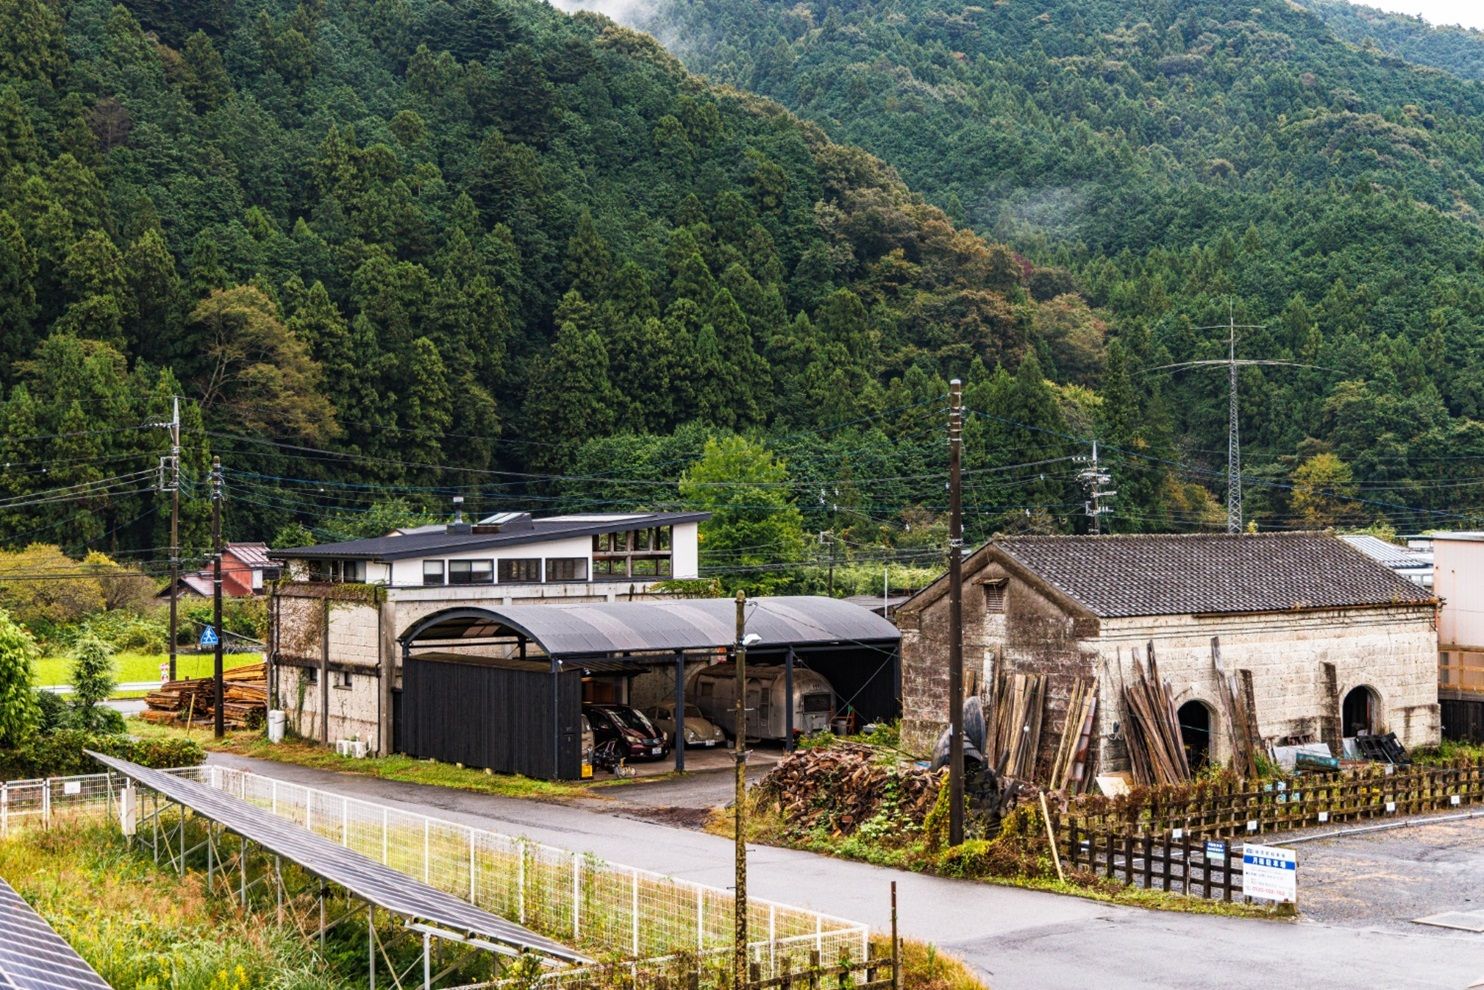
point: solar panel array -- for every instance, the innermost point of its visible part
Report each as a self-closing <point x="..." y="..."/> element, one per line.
<point x="33" y="956"/>
<point x="363" y="877"/>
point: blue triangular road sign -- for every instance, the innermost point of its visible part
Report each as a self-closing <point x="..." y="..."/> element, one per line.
<point x="208" y="637"/>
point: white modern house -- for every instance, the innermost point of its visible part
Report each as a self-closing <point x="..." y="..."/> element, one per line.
<point x="339" y="614"/>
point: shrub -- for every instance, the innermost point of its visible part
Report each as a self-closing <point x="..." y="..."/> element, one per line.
<point x="53" y="708"/>
<point x="92" y="681"/>
<point x="61" y="754"/>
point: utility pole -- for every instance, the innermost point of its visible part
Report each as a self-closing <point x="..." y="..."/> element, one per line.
<point x="739" y="803"/>
<point x="219" y="727"/>
<point x="1093" y="478"/>
<point x="955" y="614"/>
<point x="1233" y="439"/>
<point x="174" y="528"/>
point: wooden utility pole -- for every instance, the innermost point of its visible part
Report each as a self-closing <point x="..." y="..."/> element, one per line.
<point x="219" y="726"/>
<point x="174" y="528"/>
<point x="955" y="614"/>
<point x="739" y="961"/>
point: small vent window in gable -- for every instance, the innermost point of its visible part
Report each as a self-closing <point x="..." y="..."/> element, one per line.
<point x="994" y="596"/>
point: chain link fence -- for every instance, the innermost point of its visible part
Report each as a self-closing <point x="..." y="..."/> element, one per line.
<point x="620" y="914"/>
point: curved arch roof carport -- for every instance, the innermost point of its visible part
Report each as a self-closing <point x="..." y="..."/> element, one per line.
<point x="671" y="625"/>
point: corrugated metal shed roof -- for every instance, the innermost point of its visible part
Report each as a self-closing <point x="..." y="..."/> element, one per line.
<point x="420" y="543"/>
<point x="679" y="624"/>
<point x="1192" y="574"/>
<point x="1389" y="554"/>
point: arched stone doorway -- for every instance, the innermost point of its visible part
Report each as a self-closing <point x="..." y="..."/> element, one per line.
<point x="1195" y="732"/>
<point x="1360" y="711"/>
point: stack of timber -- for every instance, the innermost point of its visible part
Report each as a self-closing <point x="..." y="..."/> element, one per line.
<point x="1156" y="751"/>
<point x="1241" y="712"/>
<point x="244" y="700"/>
<point x="1073" y="756"/>
<point x="1014" y="730"/>
<point x="840" y="787"/>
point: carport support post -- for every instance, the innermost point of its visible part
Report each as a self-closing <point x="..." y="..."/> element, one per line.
<point x="556" y="715"/>
<point x="788" y="700"/>
<point x="679" y="713"/>
<point x="739" y="894"/>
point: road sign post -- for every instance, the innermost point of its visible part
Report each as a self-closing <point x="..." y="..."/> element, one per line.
<point x="1270" y="873"/>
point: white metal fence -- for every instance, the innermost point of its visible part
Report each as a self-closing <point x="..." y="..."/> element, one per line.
<point x="616" y="912"/>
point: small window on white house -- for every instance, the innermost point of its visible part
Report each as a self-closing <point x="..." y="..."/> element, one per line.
<point x="470" y="571"/>
<point x="432" y="572"/>
<point x="342" y="678"/>
<point x="994" y="596"/>
<point x="309" y="675"/>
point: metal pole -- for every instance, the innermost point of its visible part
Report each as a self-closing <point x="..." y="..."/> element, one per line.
<point x="955" y="617"/>
<point x="788" y="703"/>
<point x="174" y="526"/>
<point x="371" y="946"/>
<point x="739" y="960"/>
<point x="679" y="712"/>
<point x="1233" y="438"/>
<point x="427" y="962"/>
<point x="219" y="724"/>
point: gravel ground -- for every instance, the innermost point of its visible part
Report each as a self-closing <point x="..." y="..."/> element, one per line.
<point x="1386" y="880"/>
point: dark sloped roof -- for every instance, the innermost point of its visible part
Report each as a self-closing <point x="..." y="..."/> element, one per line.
<point x="1113" y="576"/>
<point x="422" y="544"/>
<point x="677" y="624"/>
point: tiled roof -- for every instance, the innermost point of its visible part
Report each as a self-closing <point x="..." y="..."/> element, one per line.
<point x="1114" y="576"/>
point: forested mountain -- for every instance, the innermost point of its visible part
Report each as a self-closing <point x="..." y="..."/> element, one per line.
<point x="1454" y="49"/>
<point x="413" y="247"/>
<point x="1182" y="162"/>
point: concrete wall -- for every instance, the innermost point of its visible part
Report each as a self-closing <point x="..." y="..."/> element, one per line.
<point x="1458" y="579"/>
<point x="1393" y="651"/>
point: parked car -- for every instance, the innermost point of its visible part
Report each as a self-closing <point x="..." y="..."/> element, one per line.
<point x="699" y="730"/>
<point x="635" y="734"/>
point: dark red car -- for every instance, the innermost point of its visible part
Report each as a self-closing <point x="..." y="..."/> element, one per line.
<point x="636" y="735"/>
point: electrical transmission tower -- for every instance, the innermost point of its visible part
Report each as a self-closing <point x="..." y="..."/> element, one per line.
<point x="1233" y="431"/>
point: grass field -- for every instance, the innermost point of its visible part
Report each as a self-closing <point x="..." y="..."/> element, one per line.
<point x="133" y="667"/>
<point x="404" y="768"/>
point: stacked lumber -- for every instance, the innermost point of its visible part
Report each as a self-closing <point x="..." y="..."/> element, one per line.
<point x="192" y="701"/>
<point x="1241" y="715"/>
<point x="840" y="787"/>
<point x="1014" y="724"/>
<point x="1073" y="756"/>
<point x="1156" y="751"/>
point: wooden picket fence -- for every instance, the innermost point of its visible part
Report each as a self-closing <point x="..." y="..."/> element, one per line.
<point x="1180" y="866"/>
<point x="1247" y="808"/>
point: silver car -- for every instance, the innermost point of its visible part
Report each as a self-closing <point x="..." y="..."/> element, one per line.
<point x="699" y="730"/>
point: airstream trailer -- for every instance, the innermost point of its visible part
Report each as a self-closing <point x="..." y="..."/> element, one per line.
<point x="714" y="690"/>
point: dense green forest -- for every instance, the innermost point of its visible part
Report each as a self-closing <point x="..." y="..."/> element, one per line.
<point x="1178" y="163"/>
<point x="392" y="250"/>
<point x="389" y="251"/>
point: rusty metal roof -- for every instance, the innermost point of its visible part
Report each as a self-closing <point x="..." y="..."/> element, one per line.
<point x="1193" y="574"/>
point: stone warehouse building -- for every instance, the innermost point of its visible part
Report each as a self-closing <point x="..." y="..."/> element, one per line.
<point x="341" y="614"/>
<point x="1334" y="641"/>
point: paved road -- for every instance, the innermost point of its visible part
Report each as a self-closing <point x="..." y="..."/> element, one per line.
<point x="1019" y="940"/>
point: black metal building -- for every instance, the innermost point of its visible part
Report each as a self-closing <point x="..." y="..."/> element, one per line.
<point x="501" y="687"/>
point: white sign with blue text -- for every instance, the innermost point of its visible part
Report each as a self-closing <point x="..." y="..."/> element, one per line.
<point x="1269" y="873"/>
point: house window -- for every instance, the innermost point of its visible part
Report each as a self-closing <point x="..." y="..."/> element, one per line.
<point x="520" y="570"/>
<point x="309" y="675"/>
<point x="611" y="567"/>
<point x="432" y="572"/>
<point x="353" y="571"/>
<point x="994" y="596"/>
<point x="566" y="568"/>
<point x="342" y="679"/>
<point x="664" y="532"/>
<point x="470" y="571"/>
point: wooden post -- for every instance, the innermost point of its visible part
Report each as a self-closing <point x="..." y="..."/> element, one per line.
<point x="1050" y="837"/>
<point x="896" y="941"/>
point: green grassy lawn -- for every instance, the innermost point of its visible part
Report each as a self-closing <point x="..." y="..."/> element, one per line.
<point x="404" y="768"/>
<point x="132" y="667"/>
